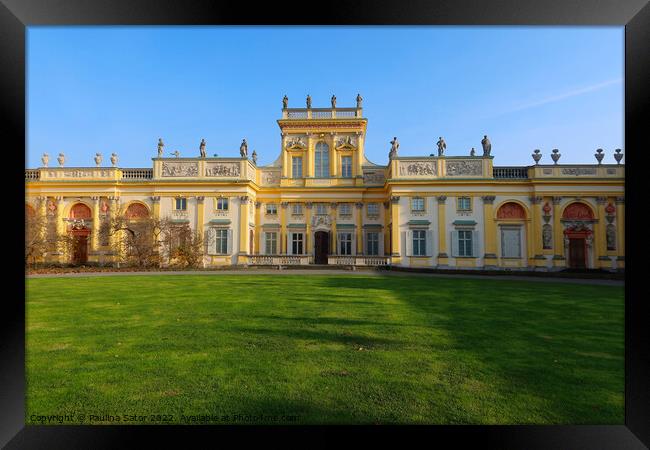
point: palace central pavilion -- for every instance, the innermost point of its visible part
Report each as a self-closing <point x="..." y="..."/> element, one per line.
<point x="323" y="202"/>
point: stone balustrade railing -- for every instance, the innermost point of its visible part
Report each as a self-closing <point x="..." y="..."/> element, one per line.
<point x="510" y="172"/>
<point x="280" y="260"/>
<point x="137" y="174"/>
<point x="321" y="113"/>
<point x="358" y="260"/>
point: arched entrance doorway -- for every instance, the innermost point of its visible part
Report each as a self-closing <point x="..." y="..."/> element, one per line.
<point x="79" y="231"/>
<point x="577" y="234"/>
<point x="321" y="247"/>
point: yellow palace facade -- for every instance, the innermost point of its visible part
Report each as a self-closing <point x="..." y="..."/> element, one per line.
<point x="323" y="202"/>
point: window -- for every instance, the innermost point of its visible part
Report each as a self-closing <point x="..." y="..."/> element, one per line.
<point x="296" y="167"/>
<point x="419" y="242"/>
<point x="271" y="244"/>
<point x="465" y="243"/>
<point x="221" y="241"/>
<point x="417" y="204"/>
<point x="346" y="167"/>
<point x="271" y="209"/>
<point x="321" y="209"/>
<point x="464" y="204"/>
<point x="345" y="243"/>
<point x="322" y="160"/>
<point x="373" y="209"/>
<point x="296" y="243"/>
<point x="222" y="204"/>
<point x="372" y="243"/>
<point x="181" y="204"/>
<point x="345" y="209"/>
<point x="296" y="209"/>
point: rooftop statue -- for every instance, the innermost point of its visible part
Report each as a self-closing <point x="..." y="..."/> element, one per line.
<point x="45" y="159"/>
<point x="98" y="159"/>
<point x="202" y="148"/>
<point x="487" y="146"/>
<point x="308" y="101"/>
<point x="176" y="153"/>
<point x="254" y="157"/>
<point x="441" y="146"/>
<point x="359" y="100"/>
<point x="113" y="159"/>
<point x="243" y="149"/>
<point x="285" y="102"/>
<point x="393" y="149"/>
<point x="333" y="101"/>
<point x="472" y="152"/>
<point x="61" y="159"/>
<point x="160" y="147"/>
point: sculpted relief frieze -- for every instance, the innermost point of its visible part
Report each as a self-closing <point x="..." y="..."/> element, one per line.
<point x="460" y="168"/>
<point x="230" y="170"/>
<point x="180" y="169"/>
<point x="374" y="177"/>
<point x="418" y="168"/>
<point x="270" y="177"/>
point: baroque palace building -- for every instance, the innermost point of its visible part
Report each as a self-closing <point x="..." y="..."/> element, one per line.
<point x="323" y="202"/>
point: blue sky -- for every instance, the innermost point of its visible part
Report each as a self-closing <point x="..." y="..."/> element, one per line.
<point x="118" y="89"/>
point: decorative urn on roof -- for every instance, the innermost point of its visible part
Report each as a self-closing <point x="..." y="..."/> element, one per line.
<point x="599" y="155"/>
<point x="555" y="155"/>
<point x="618" y="156"/>
<point x="536" y="156"/>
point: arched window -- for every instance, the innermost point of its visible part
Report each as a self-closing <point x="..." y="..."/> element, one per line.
<point x="137" y="211"/>
<point x="322" y="160"/>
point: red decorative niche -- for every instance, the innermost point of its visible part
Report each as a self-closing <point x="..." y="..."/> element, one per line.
<point x="80" y="211"/>
<point x="511" y="210"/>
<point x="578" y="211"/>
<point x="137" y="211"/>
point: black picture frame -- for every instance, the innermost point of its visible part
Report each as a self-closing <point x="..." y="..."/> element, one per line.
<point x="16" y="15"/>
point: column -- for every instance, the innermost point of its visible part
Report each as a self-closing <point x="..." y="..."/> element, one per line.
<point x="358" y="156"/>
<point x="95" y="229"/>
<point x="333" y="157"/>
<point x="42" y="212"/>
<point x="244" y="238"/>
<point x="60" y="228"/>
<point x="558" y="236"/>
<point x="309" y="241"/>
<point x="115" y="237"/>
<point x="535" y="258"/>
<point x="620" y="232"/>
<point x="283" y="227"/>
<point x="601" y="260"/>
<point x="443" y="257"/>
<point x="534" y="238"/>
<point x="285" y="165"/>
<point x="258" y="228"/>
<point x="310" y="156"/>
<point x="155" y="213"/>
<point x="395" y="250"/>
<point x="334" y="236"/>
<point x="359" y="206"/>
<point x="489" y="232"/>
<point x="385" y="234"/>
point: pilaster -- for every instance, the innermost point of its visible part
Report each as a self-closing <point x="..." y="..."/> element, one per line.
<point x="309" y="241"/>
<point x="443" y="257"/>
<point x="534" y="233"/>
<point x="558" y="237"/>
<point x="600" y="245"/>
<point x="334" y="249"/>
<point x="620" y="232"/>
<point x="395" y="247"/>
<point x="490" y="256"/>
<point x="359" y="206"/>
<point x="95" y="228"/>
<point x="256" y="244"/>
<point x="283" y="227"/>
<point x="244" y="238"/>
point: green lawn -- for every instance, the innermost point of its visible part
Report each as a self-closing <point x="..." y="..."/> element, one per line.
<point x="324" y="349"/>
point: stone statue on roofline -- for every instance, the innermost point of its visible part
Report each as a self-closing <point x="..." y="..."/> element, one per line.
<point x="285" y="102"/>
<point x="243" y="149"/>
<point x="487" y="145"/>
<point x="308" y="101"/>
<point x="441" y="146"/>
<point x="394" y="145"/>
<point x="333" y="101"/>
<point x="254" y="157"/>
<point x="202" y="148"/>
<point x="359" y="100"/>
<point x="161" y="144"/>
